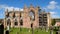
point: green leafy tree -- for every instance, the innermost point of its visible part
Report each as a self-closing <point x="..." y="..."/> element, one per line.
<point x="53" y="22"/>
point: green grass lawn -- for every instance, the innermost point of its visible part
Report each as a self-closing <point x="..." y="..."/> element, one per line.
<point x="26" y="31"/>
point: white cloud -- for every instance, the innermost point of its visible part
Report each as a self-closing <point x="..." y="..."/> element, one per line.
<point x="55" y="16"/>
<point x="53" y="2"/>
<point x="53" y="12"/>
<point x="53" y="5"/>
<point x="16" y="9"/>
<point x="0" y="14"/>
<point x="3" y="6"/>
<point x="10" y="8"/>
<point x="21" y="9"/>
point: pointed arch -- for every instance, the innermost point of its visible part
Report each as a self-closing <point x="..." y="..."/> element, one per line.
<point x="8" y="22"/>
<point x="15" y="22"/>
<point x="32" y="14"/>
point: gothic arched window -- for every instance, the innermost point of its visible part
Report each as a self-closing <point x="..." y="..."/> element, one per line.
<point x="21" y="22"/>
<point x="16" y="23"/>
<point x="20" y="14"/>
<point x="32" y="15"/>
<point x="7" y="15"/>
<point x="14" y="15"/>
<point x="8" y="22"/>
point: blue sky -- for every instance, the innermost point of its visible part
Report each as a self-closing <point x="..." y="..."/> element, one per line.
<point x="52" y="6"/>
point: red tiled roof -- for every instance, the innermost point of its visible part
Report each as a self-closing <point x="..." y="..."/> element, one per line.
<point x="57" y="24"/>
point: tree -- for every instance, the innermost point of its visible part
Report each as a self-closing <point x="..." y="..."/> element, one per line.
<point x="53" y="22"/>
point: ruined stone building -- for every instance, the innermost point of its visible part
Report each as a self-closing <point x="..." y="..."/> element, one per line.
<point x="44" y="19"/>
<point x="22" y="18"/>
